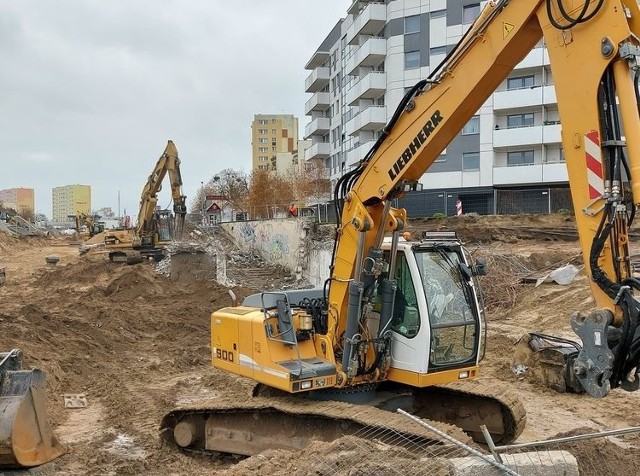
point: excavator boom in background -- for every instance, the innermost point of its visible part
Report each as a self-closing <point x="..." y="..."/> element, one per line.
<point x="154" y="228"/>
<point x="400" y="323"/>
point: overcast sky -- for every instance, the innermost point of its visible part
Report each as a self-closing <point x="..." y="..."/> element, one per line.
<point x="92" y="89"/>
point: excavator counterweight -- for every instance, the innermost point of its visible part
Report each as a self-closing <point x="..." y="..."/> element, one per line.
<point x="26" y="439"/>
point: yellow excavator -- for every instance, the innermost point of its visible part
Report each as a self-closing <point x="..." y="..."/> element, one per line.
<point x="399" y="324"/>
<point x="93" y="226"/>
<point x="155" y="228"/>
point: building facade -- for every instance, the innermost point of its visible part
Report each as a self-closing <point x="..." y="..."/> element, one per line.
<point x="22" y="200"/>
<point x="69" y="200"/>
<point x="272" y="134"/>
<point x="507" y="158"/>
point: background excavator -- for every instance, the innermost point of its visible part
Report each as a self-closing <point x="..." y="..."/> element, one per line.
<point x="93" y="226"/>
<point x="155" y="228"/>
<point x="25" y="434"/>
<point x="400" y="324"/>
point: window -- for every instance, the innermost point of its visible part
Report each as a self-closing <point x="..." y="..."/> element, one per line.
<point x="262" y="149"/>
<point x="262" y="131"/>
<point x="263" y="140"/>
<point x="438" y="14"/>
<point x="273" y="121"/>
<point x="520" y="120"/>
<point x="262" y="158"/>
<point x="520" y="82"/>
<point x="522" y="157"/>
<point x="406" y="317"/>
<point x="412" y="60"/>
<point x="438" y="50"/>
<point x="470" y="13"/>
<point x="273" y="131"/>
<point x="471" y="161"/>
<point x="412" y="24"/>
<point x="472" y="127"/>
<point x="263" y="122"/>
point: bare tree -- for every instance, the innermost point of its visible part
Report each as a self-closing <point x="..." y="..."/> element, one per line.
<point x="269" y="193"/>
<point x="229" y="184"/>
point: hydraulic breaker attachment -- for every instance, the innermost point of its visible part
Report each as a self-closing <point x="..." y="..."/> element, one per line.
<point x="26" y="438"/>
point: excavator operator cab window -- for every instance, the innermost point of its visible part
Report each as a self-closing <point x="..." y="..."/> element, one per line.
<point x="451" y="305"/>
<point x="406" y="318"/>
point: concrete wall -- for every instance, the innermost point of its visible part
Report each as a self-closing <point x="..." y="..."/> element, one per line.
<point x="278" y="241"/>
<point x="288" y="242"/>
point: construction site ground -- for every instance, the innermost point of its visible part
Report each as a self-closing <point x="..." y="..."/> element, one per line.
<point x="136" y="344"/>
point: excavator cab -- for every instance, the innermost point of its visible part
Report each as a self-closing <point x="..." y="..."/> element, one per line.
<point x="26" y="439"/>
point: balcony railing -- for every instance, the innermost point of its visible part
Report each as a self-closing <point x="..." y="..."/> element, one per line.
<point x="372" y="118"/>
<point x="319" y="150"/>
<point x="318" y="102"/>
<point x="317" y="80"/>
<point x="318" y="126"/>
<point x="525" y="97"/>
<point x="549" y="133"/>
<point x="551" y="172"/>
<point x="371" y="53"/>
<point x="370" y="20"/>
<point x="370" y="86"/>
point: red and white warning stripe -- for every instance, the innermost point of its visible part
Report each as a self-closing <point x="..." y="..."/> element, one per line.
<point x="593" y="154"/>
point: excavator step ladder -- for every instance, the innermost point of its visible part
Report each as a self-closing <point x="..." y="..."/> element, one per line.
<point x="26" y="439"/>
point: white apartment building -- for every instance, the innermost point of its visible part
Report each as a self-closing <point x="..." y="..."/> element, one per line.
<point x="507" y="159"/>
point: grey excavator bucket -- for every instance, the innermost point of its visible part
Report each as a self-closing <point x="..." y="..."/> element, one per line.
<point x="26" y="438"/>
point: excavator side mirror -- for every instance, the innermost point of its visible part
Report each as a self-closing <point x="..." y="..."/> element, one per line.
<point x="480" y="268"/>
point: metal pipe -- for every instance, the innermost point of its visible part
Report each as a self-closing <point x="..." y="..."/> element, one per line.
<point x="589" y="436"/>
<point x="385" y="214"/>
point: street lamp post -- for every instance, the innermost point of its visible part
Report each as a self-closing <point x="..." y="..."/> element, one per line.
<point x="204" y="202"/>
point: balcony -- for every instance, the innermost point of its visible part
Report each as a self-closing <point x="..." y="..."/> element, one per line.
<point x="526" y="97"/>
<point x="371" y="53"/>
<point x="318" y="102"/>
<point x="370" y="21"/>
<point x="318" y="126"/>
<point x="536" y="58"/>
<point x="356" y="154"/>
<point x="534" y="173"/>
<point x="318" y="79"/>
<point x="523" y="136"/>
<point x="317" y="59"/>
<point x="372" y="118"/>
<point x="357" y="5"/>
<point x="371" y="86"/>
<point x="319" y="150"/>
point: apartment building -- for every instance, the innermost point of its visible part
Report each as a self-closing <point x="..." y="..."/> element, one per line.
<point x="272" y="134"/>
<point x="20" y="199"/>
<point x="507" y="158"/>
<point x="69" y="200"/>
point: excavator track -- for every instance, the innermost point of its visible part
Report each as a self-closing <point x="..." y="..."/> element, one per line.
<point x="471" y="403"/>
<point x="250" y="427"/>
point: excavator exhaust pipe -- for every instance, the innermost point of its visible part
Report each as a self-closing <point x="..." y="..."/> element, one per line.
<point x="26" y="439"/>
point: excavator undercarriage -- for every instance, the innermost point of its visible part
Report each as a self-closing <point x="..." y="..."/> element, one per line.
<point x="274" y="419"/>
<point x="26" y="438"/>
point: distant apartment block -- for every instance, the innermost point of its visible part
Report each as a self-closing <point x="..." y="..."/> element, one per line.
<point x="69" y="200"/>
<point x="272" y="134"/>
<point x="360" y="72"/>
<point x="20" y="199"/>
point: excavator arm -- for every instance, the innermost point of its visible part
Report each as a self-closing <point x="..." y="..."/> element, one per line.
<point x="168" y="163"/>
<point x="593" y="48"/>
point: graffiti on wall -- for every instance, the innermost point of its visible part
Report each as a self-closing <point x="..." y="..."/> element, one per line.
<point x="247" y="233"/>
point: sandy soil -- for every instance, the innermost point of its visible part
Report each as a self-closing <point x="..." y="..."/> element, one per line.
<point x="136" y="344"/>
